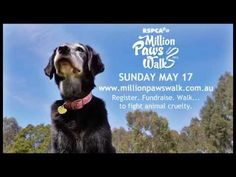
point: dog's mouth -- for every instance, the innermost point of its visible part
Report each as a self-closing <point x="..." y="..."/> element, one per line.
<point x="66" y="68"/>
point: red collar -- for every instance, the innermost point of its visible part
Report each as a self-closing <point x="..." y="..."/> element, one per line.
<point x="78" y="104"/>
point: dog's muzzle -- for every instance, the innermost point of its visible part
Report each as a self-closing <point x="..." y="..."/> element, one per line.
<point x="64" y="64"/>
<point x="66" y="68"/>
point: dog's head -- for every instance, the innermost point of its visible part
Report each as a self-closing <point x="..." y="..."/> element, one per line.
<point x="74" y="67"/>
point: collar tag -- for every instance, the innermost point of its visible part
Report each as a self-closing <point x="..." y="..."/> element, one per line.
<point x="61" y="109"/>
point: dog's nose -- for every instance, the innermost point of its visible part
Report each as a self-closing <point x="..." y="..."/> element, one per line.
<point x="63" y="50"/>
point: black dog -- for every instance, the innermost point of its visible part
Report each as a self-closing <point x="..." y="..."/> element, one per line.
<point x="79" y="120"/>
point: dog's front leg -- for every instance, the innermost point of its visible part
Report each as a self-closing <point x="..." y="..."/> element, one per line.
<point x="62" y="140"/>
<point x="99" y="141"/>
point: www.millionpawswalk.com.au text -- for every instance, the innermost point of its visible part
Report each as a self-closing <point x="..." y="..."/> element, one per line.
<point x="152" y="88"/>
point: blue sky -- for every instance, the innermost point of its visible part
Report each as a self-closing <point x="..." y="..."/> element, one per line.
<point x="205" y="50"/>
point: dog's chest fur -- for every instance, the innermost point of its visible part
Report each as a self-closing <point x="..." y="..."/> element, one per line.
<point x="86" y="127"/>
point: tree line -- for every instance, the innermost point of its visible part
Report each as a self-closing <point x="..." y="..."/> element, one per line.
<point x="148" y="132"/>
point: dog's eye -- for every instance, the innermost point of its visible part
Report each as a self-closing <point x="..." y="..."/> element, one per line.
<point x="80" y="49"/>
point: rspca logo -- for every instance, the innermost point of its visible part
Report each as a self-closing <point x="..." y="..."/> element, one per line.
<point x="160" y="52"/>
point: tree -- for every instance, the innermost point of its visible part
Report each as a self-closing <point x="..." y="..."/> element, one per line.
<point x="173" y="141"/>
<point x="193" y="138"/>
<point x="32" y="139"/>
<point x="121" y="140"/>
<point x="150" y="132"/>
<point x="217" y="115"/>
<point x="10" y="129"/>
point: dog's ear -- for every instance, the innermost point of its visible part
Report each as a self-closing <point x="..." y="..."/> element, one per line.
<point x="50" y="69"/>
<point x="95" y="64"/>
